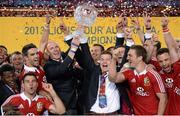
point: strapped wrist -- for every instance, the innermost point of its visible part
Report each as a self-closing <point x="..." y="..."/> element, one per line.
<point x="73" y="51"/>
<point x="120" y="35"/>
<point x="75" y="45"/>
<point x="47" y="24"/>
<point x="148" y="35"/>
<point x="68" y="37"/>
<point x="165" y="30"/>
<point x="46" y="28"/>
<point x="129" y="42"/>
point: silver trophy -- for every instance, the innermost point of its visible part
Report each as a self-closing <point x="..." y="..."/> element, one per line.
<point x="85" y="15"/>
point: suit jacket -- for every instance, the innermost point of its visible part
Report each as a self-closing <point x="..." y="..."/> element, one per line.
<point x="5" y="92"/>
<point x="91" y="79"/>
<point x="124" y="86"/>
<point x="60" y="75"/>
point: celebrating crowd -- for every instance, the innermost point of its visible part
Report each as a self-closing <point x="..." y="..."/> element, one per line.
<point x="103" y="11"/>
<point x="124" y="79"/>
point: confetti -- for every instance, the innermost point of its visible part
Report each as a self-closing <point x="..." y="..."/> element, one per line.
<point x="106" y="8"/>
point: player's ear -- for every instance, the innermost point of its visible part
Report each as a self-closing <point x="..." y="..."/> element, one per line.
<point x="140" y="58"/>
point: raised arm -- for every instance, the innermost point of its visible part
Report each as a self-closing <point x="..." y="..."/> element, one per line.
<point x="149" y="49"/>
<point x="45" y="36"/>
<point x="115" y="76"/>
<point x="136" y="25"/>
<point x="170" y="42"/>
<point x="147" y="23"/>
<point x="122" y="23"/>
<point x="74" y="46"/>
<point x="57" y="107"/>
<point x="63" y="27"/>
<point x="129" y="42"/>
<point x="50" y="68"/>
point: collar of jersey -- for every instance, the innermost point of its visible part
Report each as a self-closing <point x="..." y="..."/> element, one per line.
<point x="141" y="73"/>
<point x="24" y="97"/>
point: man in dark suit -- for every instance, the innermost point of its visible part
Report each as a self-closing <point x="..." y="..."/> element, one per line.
<point x="59" y="72"/>
<point x="8" y="84"/>
<point x="99" y="95"/>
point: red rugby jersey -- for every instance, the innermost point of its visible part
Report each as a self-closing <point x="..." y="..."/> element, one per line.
<point x="143" y="89"/>
<point x="172" y="84"/>
<point x="27" y="107"/>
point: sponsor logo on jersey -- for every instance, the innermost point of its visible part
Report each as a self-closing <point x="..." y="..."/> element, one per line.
<point x="177" y="91"/>
<point x="140" y="91"/>
<point x="169" y="82"/>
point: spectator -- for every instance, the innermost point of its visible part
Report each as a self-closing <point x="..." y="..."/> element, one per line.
<point x="3" y="54"/>
<point x="16" y="59"/>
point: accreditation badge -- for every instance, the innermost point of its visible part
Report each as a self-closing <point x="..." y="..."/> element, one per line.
<point x="39" y="106"/>
<point x="102" y="101"/>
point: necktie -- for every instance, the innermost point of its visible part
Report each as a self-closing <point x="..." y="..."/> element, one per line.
<point x="102" y="96"/>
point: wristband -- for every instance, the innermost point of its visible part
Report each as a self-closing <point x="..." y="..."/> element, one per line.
<point x="148" y="35"/>
<point x="120" y="35"/>
<point x="72" y="51"/>
<point x="46" y="28"/>
<point x="165" y="30"/>
<point x="68" y="37"/>
<point x="129" y="42"/>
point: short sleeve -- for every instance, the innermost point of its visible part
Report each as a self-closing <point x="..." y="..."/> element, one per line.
<point x="128" y="74"/>
<point x="47" y="103"/>
<point x="157" y="82"/>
